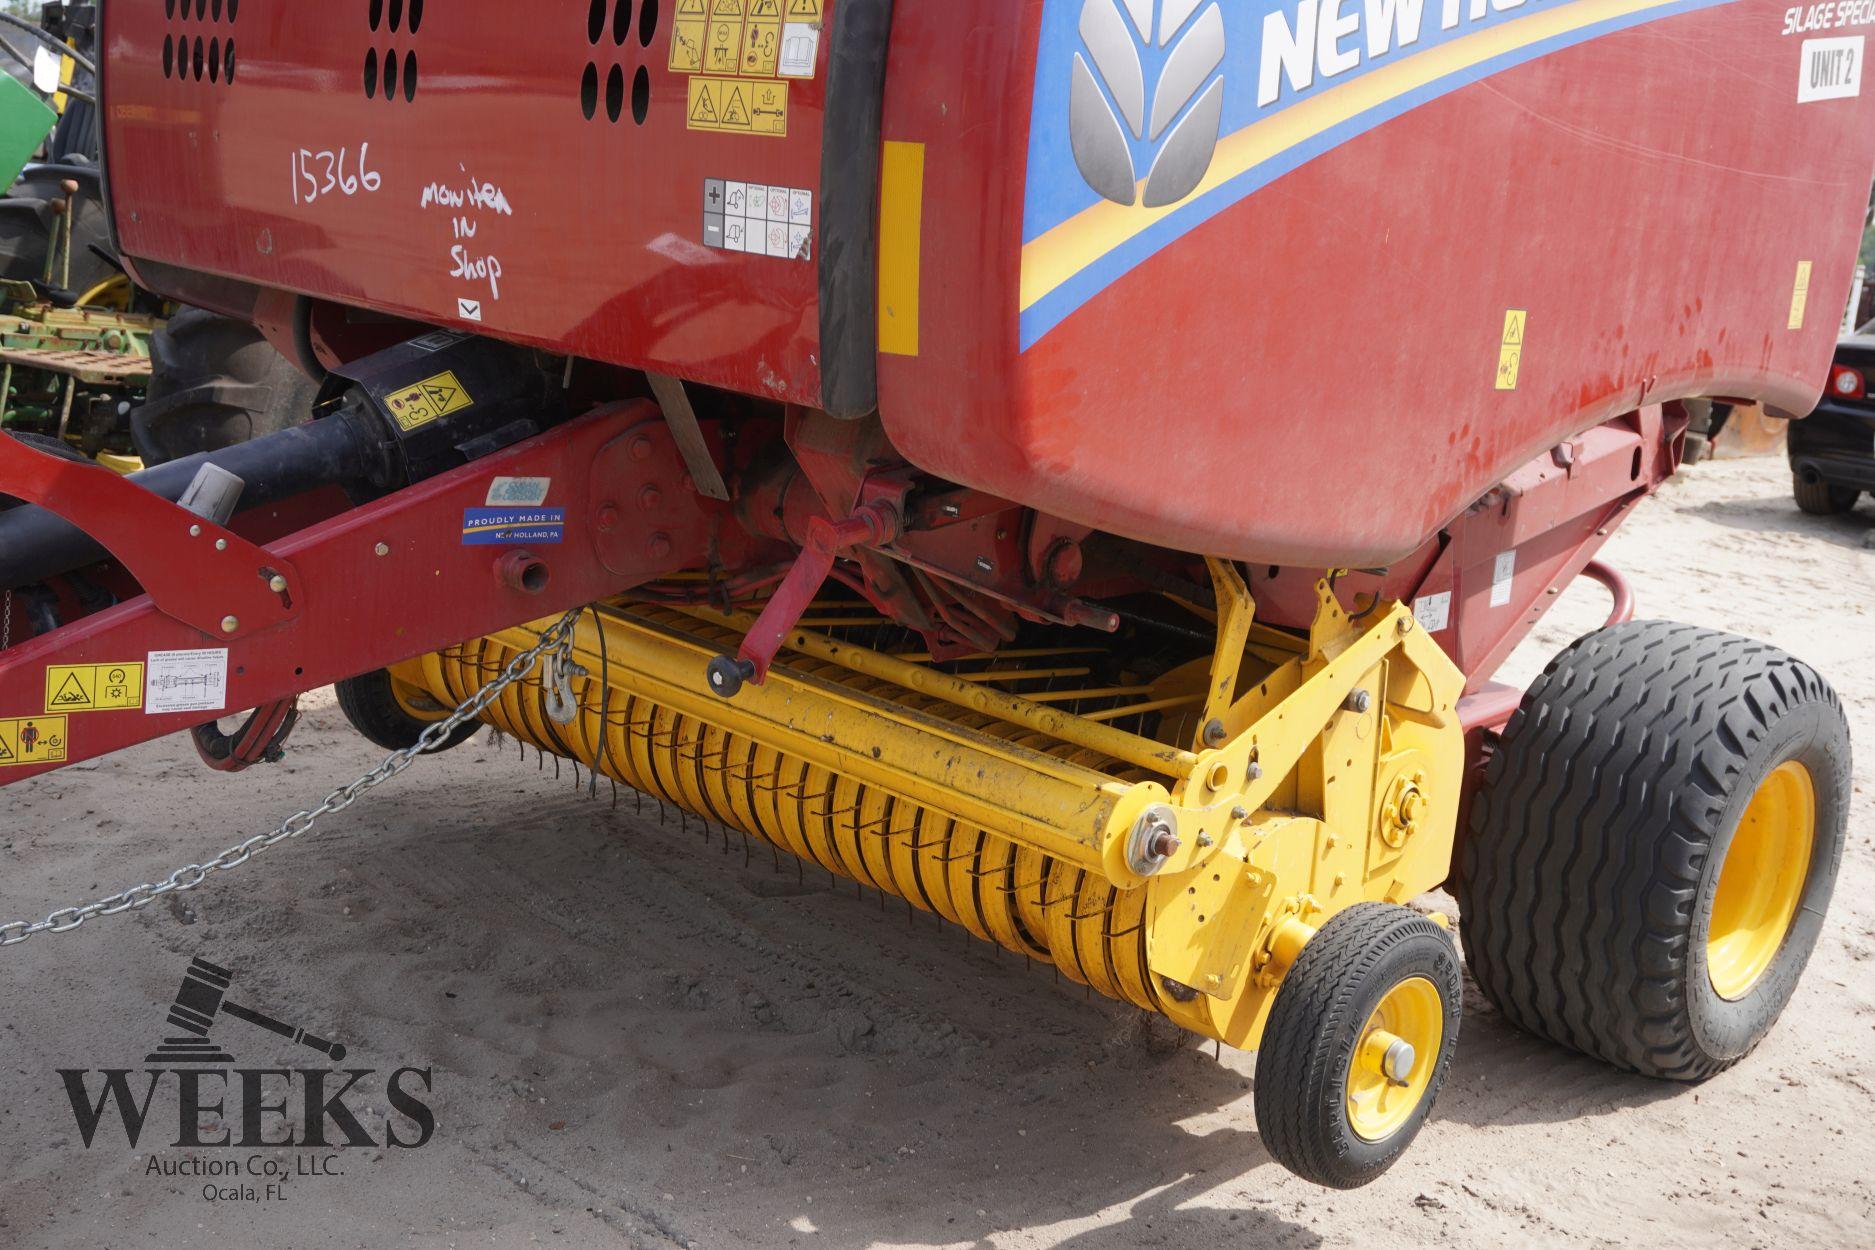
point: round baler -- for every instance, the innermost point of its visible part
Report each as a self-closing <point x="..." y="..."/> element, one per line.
<point x="1071" y="465"/>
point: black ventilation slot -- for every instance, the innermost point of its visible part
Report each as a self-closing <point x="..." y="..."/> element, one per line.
<point x="610" y="26"/>
<point x="392" y="73"/>
<point x="201" y="48"/>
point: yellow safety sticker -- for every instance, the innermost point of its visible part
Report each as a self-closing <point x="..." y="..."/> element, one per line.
<point x="94" y="687"/>
<point x="737" y="106"/>
<point x="1800" y="295"/>
<point x="1510" y="349"/>
<point x="687" y="36"/>
<point x="722" y="47"/>
<point x="761" y="42"/>
<point x="754" y="38"/>
<point x="32" y="740"/>
<point x="427" y="401"/>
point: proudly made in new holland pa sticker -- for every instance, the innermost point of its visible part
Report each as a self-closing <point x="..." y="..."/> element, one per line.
<point x="504" y="527"/>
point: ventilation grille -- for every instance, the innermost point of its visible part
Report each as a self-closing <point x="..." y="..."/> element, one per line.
<point x="393" y="73"/>
<point x="619" y="32"/>
<point x="201" y="46"/>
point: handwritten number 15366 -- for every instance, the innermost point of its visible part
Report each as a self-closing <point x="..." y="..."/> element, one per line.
<point x="320" y="174"/>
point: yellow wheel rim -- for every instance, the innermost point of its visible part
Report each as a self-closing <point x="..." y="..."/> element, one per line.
<point x="417" y="703"/>
<point x="1393" y="1064"/>
<point x="1761" y="881"/>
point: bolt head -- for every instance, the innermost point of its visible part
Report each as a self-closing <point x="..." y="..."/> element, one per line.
<point x="660" y="546"/>
<point x="1359" y="702"/>
<point x="195" y="531"/>
<point x="382" y="549"/>
<point x="639" y="448"/>
<point x="277" y="584"/>
<point x="1215" y="734"/>
<point x="229" y="624"/>
<point x="608" y="519"/>
<point x="221" y="544"/>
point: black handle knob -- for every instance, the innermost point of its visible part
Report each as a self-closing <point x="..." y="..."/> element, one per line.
<point x="727" y="674"/>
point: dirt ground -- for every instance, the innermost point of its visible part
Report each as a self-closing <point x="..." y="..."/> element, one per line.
<point x="639" y="1039"/>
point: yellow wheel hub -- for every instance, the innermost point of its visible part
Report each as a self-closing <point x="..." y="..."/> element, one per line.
<point x="1392" y="1067"/>
<point x="1761" y="881"/>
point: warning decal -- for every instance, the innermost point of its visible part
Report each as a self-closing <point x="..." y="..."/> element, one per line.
<point x="94" y="687"/>
<point x="1800" y="295"/>
<point x="32" y="740"/>
<point x="738" y="106"/>
<point x="1510" y="351"/>
<point x="427" y="401"/>
<point x="754" y="38"/>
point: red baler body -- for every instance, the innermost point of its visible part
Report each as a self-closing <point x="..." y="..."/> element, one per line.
<point x="1298" y="363"/>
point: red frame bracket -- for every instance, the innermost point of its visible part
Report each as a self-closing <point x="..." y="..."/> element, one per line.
<point x="393" y="579"/>
<point x="200" y="573"/>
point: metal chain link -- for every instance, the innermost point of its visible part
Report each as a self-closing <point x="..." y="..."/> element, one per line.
<point x="189" y="876"/>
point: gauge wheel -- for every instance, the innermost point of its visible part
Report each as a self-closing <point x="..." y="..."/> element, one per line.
<point x="393" y="715"/>
<point x="1655" y="845"/>
<point x="1358" y="1043"/>
<point x="1819" y="498"/>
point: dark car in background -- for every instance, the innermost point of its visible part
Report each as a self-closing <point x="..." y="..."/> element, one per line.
<point x="1832" y="453"/>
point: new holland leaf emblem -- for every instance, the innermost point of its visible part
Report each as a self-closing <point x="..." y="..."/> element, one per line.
<point x="1147" y="97"/>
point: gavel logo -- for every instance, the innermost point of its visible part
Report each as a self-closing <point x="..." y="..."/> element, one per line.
<point x="202" y="998"/>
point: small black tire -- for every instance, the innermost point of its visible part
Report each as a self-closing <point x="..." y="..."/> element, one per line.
<point x="1600" y="834"/>
<point x="1818" y="497"/>
<point x="1325" y="1011"/>
<point x="371" y="704"/>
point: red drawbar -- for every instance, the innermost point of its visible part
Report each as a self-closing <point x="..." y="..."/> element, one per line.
<point x="372" y="587"/>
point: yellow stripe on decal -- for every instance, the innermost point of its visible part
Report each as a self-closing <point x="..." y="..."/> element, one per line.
<point x="901" y="247"/>
<point x="1075" y="244"/>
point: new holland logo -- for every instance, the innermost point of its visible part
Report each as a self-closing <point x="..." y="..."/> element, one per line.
<point x="1147" y="97"/>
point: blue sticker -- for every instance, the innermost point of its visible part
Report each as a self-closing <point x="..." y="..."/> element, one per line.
<point x="510" y="527"/>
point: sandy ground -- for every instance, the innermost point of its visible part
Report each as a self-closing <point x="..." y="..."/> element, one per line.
<point x="638" y="1039"/>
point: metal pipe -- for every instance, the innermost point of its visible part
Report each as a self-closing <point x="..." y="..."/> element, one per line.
<point x="1617" y="585"/>
<point x="1168" y="761"/>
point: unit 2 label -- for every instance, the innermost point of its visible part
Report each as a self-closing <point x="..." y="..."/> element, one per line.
<point x="1831" y="69"/>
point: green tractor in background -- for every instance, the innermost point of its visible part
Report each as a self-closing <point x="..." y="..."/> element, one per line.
<point x="90" y="365"/>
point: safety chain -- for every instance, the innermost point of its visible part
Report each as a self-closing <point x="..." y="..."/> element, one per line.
<point x="189" y="876"/>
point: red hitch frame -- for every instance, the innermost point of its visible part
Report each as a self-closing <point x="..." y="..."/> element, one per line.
<point x="371" y="587"/>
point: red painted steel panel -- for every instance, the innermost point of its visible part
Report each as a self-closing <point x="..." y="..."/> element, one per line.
<point x="1308" y="377"/>
<point x="600" y="242"/>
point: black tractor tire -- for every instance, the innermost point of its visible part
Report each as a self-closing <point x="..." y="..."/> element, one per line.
<point x="1598" y="839"/>
<point x="28" y="219"/>
<point x="1318" y="1023"/>
<point x="1819" y="498"/>
<point x="215" y="382"/>
<point x="370" y="703"/>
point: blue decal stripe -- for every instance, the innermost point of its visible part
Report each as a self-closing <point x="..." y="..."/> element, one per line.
<point x="1067" y="266"/>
